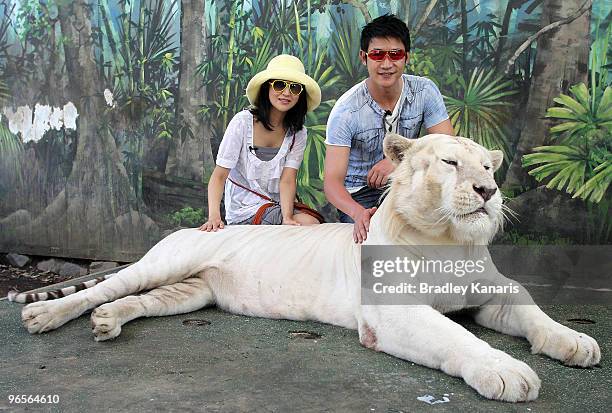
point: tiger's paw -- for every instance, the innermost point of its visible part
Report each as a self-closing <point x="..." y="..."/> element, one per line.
<point x="44" y="316"/>
<point x="105" y="323"/>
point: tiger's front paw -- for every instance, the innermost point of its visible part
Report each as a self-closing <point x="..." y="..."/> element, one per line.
<point x="498" y="376"/>
<point x="44" y="316"/>
<point x="569" y="346"/>
<point x="105" y="323"/>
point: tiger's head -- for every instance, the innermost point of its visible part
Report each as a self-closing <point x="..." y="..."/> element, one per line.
<point x="443" y="186"/>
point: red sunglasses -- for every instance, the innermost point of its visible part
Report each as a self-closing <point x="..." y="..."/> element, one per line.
<point x="378" y="55"/>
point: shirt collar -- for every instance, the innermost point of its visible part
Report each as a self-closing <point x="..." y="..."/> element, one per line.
<point x="408" y="92"/>
<point x="407" y="95"/>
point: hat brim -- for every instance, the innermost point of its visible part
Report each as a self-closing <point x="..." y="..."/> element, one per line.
<point x="313" y="91"/>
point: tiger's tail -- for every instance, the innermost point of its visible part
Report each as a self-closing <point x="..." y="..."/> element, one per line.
<point x="24" y="298"/>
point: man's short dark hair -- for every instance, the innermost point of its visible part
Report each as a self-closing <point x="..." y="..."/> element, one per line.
<point x="386" y="25"/>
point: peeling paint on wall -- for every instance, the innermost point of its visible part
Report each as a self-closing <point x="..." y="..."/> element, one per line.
<point x="32" y="125"/>
<point x="70" y="116"/>
<point x="108" y="97"/>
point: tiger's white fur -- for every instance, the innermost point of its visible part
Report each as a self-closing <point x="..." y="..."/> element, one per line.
<point x="313" y="273"/>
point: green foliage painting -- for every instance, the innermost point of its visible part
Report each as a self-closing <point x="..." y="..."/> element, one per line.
<point x="91" y="119"/>
<point x="581" y="161"/>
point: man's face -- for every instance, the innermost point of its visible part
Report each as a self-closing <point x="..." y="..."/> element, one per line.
<point x="385" y="73"/>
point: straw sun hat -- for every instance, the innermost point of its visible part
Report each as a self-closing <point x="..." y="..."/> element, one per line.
<point x="285" y="67"/>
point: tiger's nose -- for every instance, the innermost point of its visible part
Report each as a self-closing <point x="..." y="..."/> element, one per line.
<point x="484" y="192"/>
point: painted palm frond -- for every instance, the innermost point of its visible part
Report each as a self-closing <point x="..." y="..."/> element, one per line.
<point x="345" y="49"/>
<point x="310" y="174"/>
<point x="584" y="115"/>
<point x="4" y="93"/>
<point x="286" y="19"/>
<point x="316" y="125"/>
<point x="263" y="51"/>
<point x="566" y="167"/>
<point x="479" y="113"/>
<point x="486" y="35"/>
<point x="10" y="144"/>
<point x="584" y="173"/>
<point x="600" y="56"/>
<point x="595" y="188"/>
<point x="241" y="50"/>
<point x="159" y="42"/>
<point x="581" y="164"/>
<point x="142" y="52"/>
<point x="10" y="148"/>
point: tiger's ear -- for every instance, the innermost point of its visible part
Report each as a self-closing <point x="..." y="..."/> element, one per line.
<point x="497" y="157"/>
<point x="395" y="147"/>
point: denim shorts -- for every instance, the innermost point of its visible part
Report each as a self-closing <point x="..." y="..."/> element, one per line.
<point x="272" y="216"/>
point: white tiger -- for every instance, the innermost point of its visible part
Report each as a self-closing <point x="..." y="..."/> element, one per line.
<point x="442" y="192"/>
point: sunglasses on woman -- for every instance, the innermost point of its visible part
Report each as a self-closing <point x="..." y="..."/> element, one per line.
<point x="378" y="55"/>
<point x="279" y="87"/>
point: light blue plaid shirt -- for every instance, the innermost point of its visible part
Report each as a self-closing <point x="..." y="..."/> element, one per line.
<point x="356" y="121"/>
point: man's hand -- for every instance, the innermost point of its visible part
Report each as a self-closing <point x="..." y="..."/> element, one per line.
<point x="213" y="224"/>
<point x="362" y="224"/>
<point x="378" y="176"/>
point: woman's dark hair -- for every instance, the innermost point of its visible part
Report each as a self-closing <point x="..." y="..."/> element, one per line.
<point x="294" y="118"/>
<point x="386" y="25"/>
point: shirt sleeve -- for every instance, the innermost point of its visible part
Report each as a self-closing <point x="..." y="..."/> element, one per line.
<point x="296" y="155"/>
<point x="338" y="131"/>
<point x="231" y="144"/>
<point x="435" y="110"/>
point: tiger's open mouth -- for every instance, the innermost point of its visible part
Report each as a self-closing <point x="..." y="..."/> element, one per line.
<point x="480" y="210"/>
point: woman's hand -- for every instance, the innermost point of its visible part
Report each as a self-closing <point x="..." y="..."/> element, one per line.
<point x="216" y="184"/>
<point x="290" y="221"/>
<point x="213" y="224"/>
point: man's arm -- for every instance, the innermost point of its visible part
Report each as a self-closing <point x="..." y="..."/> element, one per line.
<point x="445" y="127"/>
<point x="336" y="166"/>
<point x="435" y="115"/>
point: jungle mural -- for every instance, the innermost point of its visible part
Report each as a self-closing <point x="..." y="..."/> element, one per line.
<point x="112" y="110"/>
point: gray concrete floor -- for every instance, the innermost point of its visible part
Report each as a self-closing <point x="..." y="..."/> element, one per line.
<point x="241" y="364"/>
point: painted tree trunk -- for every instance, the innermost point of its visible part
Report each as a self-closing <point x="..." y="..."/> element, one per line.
<point x="191" y="155"/>
<point x="96" y="215"/>
<point x="561" y="61"/>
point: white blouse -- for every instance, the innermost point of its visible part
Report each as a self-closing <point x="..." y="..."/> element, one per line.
<point x="248" y="170"/>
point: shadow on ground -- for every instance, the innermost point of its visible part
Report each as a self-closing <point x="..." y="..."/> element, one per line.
<point x="238" y="363"/>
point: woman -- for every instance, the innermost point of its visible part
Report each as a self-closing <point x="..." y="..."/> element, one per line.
<point x="262" y="150"/>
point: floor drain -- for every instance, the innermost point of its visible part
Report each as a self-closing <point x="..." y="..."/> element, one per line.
<point x="195" y="322"/>
<point x="307" y="335"/>
<point x="581" y="321"/>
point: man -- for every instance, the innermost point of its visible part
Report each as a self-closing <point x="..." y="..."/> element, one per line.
<point x="387" y="101"/>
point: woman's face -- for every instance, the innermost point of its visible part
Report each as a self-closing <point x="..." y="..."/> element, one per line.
<point x="283" y="94"/>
